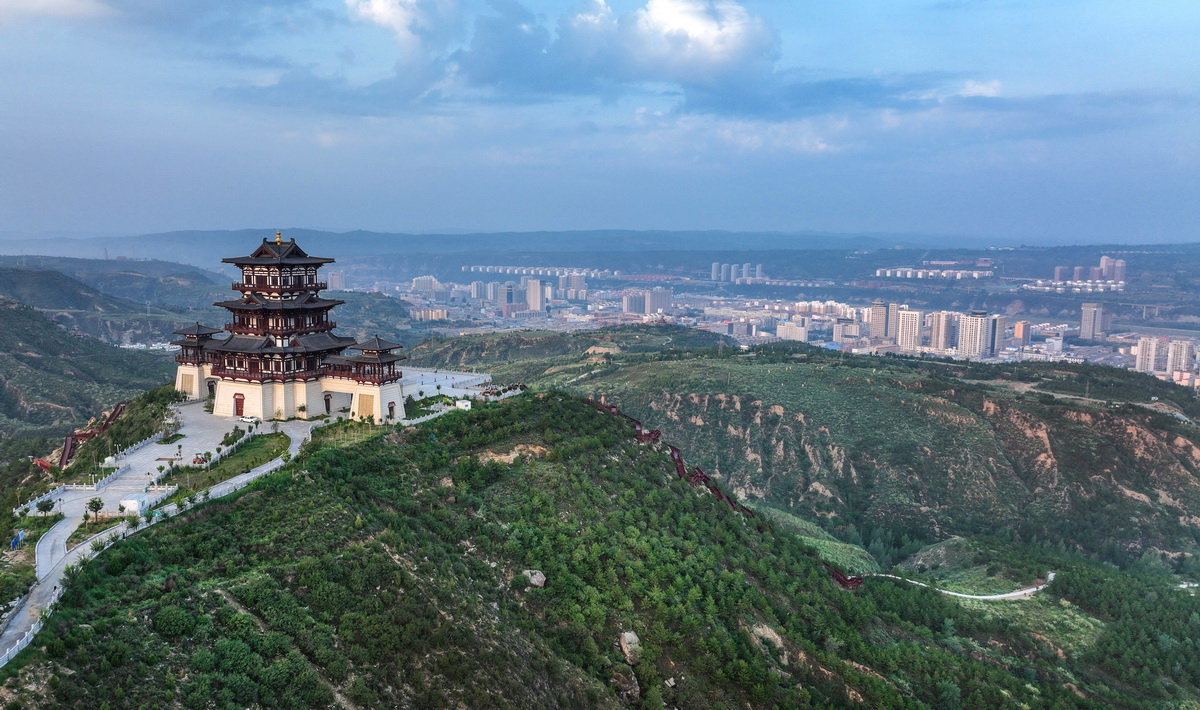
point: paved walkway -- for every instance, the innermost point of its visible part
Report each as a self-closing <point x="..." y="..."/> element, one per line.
<point x="1019" y="594"/>
<point x="202" y="432"/>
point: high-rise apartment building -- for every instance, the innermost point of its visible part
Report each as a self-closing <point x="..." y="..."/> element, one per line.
<point x="1061" y="273"/>
<point x="535" y="294"/>
<point x="845" y="329"/>
<point x="879" y="312"/>
<point x="908" y="329"/>
<point x="425" y="283"/>
<point x="975" y="334"/>
<point x="1092" y="325"/>
<point x="758" y="271"/>
<point x="724" y="272"/>
<point x="792" y="331"/>
<point x="1078" y="273"/>
<point x="941" y="334"/>
<point x="716" y="271"/>
<point x="1118" y="270"/>
<point x="995" y="334"/>
<point x="634" y="302"/>
<point x="658" y="300"/>
<point x="1147" y="355"/>
<point x="1022" y="332"/>
<point x="1180" y="356"/>
<point x="893" y="321"/>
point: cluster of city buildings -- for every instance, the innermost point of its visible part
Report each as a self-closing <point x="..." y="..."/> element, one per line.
<point x="560" y="298"/>
<point x="908" y="272"/>
<point x="894" y="327"/>
<point x="1108" y="276"/>
<point x="736" y="273"/>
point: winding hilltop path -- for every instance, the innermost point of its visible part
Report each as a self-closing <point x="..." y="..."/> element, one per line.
<point x="1018" y="594"/>
<point x="203" y="432"/>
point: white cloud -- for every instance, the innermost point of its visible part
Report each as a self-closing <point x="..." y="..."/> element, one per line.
<point x="688" y="41"/>
<point x="989" y="89"/>
<point x="412" y="21"/>
<point x="697" y="40"/>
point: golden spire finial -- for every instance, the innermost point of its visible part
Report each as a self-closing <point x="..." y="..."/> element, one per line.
<point x="278" y="237"/>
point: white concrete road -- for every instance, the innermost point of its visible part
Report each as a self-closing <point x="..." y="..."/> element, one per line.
<point x="1018" y="594"/>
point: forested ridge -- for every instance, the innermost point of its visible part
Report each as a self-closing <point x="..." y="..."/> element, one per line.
<point x="392" y="573"/>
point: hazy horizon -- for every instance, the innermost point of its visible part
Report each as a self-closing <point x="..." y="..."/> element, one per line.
<point x="1063" y="123"/>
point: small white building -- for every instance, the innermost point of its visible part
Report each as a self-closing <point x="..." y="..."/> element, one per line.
<point x="135" y="504"/>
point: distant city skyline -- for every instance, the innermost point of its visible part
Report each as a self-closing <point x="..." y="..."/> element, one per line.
<point x="1065" y="122"/>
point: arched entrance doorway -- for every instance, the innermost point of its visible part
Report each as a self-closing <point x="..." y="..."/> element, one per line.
<point x="212" y="388"/>
<point x="328" y="403"/>
<point x="239" y="404"/>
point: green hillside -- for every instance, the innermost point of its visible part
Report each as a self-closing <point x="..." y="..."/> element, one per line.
<point x="531" y="355"/>
<point x="890" y="452"/>
<point x="80" y="308"/>
<point x="52" y="381"/>
<point x="886" y="448"/>
<point x="391" y="573"/>
<point x="164" y="283"/>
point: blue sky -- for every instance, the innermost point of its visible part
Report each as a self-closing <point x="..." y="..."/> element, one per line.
<point x="1002" y="119"/>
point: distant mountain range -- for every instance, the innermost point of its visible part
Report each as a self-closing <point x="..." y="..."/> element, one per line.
<point x="207" y="247"/>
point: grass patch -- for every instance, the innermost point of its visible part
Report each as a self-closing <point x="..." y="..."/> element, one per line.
<point x="851" y="558"/>
<point x="171" y="439"/>
<point x="1064" y="624"/>
<point x="90" y="528"/>
<point x="345" y="433"/>
<point x="258" y="450"/>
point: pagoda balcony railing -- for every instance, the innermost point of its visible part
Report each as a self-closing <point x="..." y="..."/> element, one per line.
<point x="347" y="373"/>
<point x="297" y="330"/>
<point x="280" y="288"/>
<point x="260" y="376"/>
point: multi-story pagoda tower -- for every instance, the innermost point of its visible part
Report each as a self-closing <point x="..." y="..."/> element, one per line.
<point x="280" y="358"/>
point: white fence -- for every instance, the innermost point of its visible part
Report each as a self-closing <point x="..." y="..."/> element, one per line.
<point x="427" y="417"/>
<point x="31" y="504"/>
<point x="37" y="626"/>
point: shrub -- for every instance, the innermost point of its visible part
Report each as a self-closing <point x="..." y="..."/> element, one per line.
<point x="172" y="621"/>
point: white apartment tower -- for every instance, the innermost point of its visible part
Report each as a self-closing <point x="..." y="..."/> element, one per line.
<point x="941" y="335"/>
<point x="658" y="300"/>
<point x="1180" y="356"/>
<point x="908" y="329"/>
<point x="1092" y="325"/>
<point x="893" y="321"/>
<point x="1147" y="355"/>
<point x="979" y="334"/>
